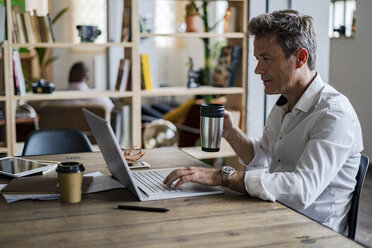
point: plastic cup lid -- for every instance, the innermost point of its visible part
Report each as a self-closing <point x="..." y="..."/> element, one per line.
<point x="70" y="167"/>
<point x="212" y="110"/>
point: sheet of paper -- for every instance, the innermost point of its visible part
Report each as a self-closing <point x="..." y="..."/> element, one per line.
<point x="102" y="183"/>
<point x="98" y="184"/>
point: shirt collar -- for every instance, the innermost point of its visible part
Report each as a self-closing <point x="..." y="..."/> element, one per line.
<point x="311" y="93"/>
<point x="307" y="98"/>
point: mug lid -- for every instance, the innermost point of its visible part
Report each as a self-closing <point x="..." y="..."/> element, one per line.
<point x="70" y="167"/>
<point x="212" y="110"/>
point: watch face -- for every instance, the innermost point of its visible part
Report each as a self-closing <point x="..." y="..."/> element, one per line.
<point x="227" y="169"/>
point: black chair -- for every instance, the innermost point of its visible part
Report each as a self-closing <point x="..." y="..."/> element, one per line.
<point x="56" y="141"/>
<point x="353" y="213"/>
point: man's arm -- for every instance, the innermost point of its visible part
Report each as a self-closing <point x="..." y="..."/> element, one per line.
<point x="205" y="176"/>
<point x="211" y="176"/>
<point x="241" y="144"/>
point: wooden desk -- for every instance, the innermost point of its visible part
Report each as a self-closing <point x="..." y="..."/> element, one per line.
<point x="227" y="220"/>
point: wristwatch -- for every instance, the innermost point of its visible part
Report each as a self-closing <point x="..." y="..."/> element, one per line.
<point x="226" y="171"/>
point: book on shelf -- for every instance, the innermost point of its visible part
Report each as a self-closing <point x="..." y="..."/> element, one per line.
<point x="15" y="32"/>
<point x="125" y="77"/>
<point x="2" y="22"/>
<point x="50" y="28"/>
<point x="146" y="71"/>
<point x="121" y="123"/>
<point x="43" y="28"/>
<point x="29" y="27"/>
<point x="19" y="80"/>
<point x="2" y="77"/>
<point x="126" y="126"/>
<point x="35" y="26"/>
<point x="227" y="66"/>
<point x="233" y="19"/>
<point x="126" y="30"/>
<point x="20" y="27"/>
<point x="120" y="74"/>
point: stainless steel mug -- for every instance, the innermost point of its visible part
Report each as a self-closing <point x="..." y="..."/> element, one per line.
<point x="211" y="126"/>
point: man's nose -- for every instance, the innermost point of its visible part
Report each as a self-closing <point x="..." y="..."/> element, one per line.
<point x="259" y="69"/>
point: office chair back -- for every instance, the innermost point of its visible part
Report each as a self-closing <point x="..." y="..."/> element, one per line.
<point x="56" y="141"/>
<point x="353" y="213"/>
<point x="59" y="115"/>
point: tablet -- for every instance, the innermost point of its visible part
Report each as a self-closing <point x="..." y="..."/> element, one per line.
<point x="19" y="167"/>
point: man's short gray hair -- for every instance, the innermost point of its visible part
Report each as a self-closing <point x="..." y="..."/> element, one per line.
<point x="292" y="30"/>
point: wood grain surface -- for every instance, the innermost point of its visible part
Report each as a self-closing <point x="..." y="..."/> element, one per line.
<point x="227" y="220"/>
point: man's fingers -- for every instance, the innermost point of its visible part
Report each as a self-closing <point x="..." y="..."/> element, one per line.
<point x="183" y="179"/>
<point x="174" y="175"/>
<point x="171" y="175"/>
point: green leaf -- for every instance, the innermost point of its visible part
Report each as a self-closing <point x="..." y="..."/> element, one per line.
<point x="50" y="61"/>
<point x="59" y="15"/>
<point x="41" y="51"/>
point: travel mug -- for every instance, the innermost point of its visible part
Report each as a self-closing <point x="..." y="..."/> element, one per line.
<point x="70" y="179"/>
<point x="211" y="126"/>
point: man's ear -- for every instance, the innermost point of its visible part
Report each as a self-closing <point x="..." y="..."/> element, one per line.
<point x="302" y="56"/>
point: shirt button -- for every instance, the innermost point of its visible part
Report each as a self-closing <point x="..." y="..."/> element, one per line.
<point x="278" y="160"/>
<point x="280" y="137"/>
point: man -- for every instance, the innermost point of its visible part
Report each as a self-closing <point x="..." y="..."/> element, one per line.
<point x="309" y="153"/>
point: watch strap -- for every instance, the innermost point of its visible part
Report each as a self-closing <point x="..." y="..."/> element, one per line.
<point x="225" y="180"/>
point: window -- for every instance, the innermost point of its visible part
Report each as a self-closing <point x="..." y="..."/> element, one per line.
<point x="342" y="18"/>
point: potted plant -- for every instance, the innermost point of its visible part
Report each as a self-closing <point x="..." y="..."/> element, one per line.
<point x="202" y="12"/>
<point x="192" y="17"/>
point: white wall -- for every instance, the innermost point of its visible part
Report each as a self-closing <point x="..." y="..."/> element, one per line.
<point x="318" y="9"/>
<point x="350" y="69"/>
<point x="255" y="94"/>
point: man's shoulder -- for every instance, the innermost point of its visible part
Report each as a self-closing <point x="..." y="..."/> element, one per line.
<point x="332" y="99"/>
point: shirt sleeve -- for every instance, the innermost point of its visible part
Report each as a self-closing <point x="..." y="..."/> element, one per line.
<point x="329" y="145"/>
<point x="257" y="168"/>
<point x="261" y="158"/>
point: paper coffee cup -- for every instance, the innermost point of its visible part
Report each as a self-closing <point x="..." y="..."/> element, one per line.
<point x="70" y="178"/>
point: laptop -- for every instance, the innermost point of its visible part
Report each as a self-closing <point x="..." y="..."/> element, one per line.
<point x="144" y="184"/>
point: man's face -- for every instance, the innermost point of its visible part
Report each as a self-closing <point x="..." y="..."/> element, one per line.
<point x="277" y="72"/>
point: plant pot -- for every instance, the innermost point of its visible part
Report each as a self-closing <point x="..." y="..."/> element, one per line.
<point x="192" y="23"/>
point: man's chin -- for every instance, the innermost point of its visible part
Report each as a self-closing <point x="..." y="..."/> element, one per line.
<point x="269" y="92"/>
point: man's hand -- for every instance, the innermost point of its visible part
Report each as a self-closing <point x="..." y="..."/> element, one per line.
<point x="227" y="124"/>
<point x="205" y="176"/>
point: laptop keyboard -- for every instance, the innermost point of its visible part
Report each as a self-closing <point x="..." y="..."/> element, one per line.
<point x="151" y="181"/>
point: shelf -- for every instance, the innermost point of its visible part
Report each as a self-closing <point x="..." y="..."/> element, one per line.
<point x="236" y="35"/>
<point x="196" y="151"/>
<point x="3" y="149"/>
<point x="182" y="91"/>
<point x="66" y="95"/>
<point x="212" y="0"/>
<point x="73" y="45"/>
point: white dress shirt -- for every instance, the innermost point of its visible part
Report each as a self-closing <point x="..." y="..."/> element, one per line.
<point x="82" y="86"/>
<point x="308" y="158"/>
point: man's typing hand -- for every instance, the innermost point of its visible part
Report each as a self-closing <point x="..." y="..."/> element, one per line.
<point x="205" y="176"/>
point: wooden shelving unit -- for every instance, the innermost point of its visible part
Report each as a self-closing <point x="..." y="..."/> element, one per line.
<point x="236" y="95"/>
<point x="10" y="99"/>
<point x="71" y="44"/>
<point x="235" y="35"/>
